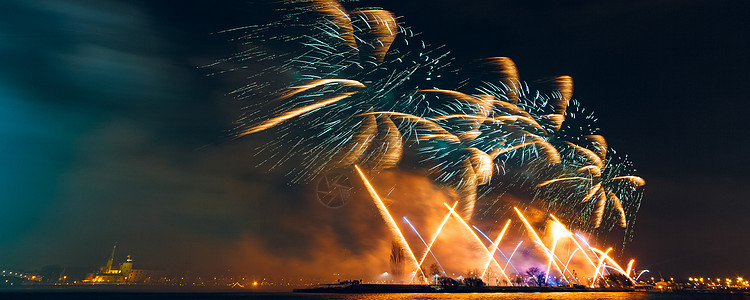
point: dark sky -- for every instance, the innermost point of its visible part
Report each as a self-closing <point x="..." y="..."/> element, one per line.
<point x="111" y="132"/>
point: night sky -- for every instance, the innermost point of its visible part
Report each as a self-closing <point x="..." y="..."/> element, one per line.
<point x="111" y="131"/>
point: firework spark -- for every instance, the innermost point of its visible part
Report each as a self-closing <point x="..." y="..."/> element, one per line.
<point x="343" y="87"/>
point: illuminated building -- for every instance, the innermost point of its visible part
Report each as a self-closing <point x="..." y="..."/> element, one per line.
<point x="124" y="275"/>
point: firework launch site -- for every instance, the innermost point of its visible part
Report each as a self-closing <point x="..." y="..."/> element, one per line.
<point x="518" y="259"/>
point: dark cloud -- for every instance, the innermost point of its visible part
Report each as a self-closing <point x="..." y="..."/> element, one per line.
<point x="96" y="110"/>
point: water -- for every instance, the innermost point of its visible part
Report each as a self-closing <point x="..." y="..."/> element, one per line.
<point x="121" y="295"/>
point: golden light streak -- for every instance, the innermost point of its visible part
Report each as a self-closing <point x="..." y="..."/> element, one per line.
<point x="592" y="157"/>
<point x="354" y="149"/>
<point x="557" y="120"/>
<point x="551" y="151"/>
<point x="489" y="255"/>
<point x="593" y="170"/>
<point x="600" y="143"/>
<point x="292" y="113"/>
<point x="484" y="104"/>
<point x="425" y="137"/>
<point x="492" y="102"/>
<point x="380" y="30"/>
<point x="507" y="73"/>
<point x="572" y="236"/>
<point x="469" y="135"/>
<point x="430" y="125"/>
<point x="599" y="214"/>
<point x="599" y="265"/>
<point x="434" y="238"/>
<point x="317" y="83"/>
<point x="338" y="16"/>
<point x="387" y="147"/>
<point x="527" y="120"/>
<point x="558" y="232"/>
<point x="571" y="258"/>
<point x="556" y="260"/>
<point x="512" y="108"/>
<point x="592" y="192"/>
<point x="467" y="189"/>
<point x="495" y="245"/>
<point x="389" y="220"/>
<point x="457" y="116"/>
<point x="562" y="88"/>
<point x="495" y="152"/>
<point x="536" y="237"/>
<point x="614" y="263"/>
<point x="395" y="145"/>
<point x="630" y="267"/>
<point x="551" y="258"/>
<point x="638" y="181"/>
<point x="483" y="165"/>
<point x="618" y="205"/>
<point x="499" y="151"/>
<point x="561" y="179"/>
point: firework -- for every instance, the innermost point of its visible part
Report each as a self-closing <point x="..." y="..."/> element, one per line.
<point x="555" y="230"/>
<point x="570" y="258"/>
<point x="340" y="87"/>
<point x="495" y="244"/>
<point x="602" y="181"/>
<point x="630" y="268"/>
<point x="490" y="256"/>
<point x="511" y="257"/>
<point x="538" y="240"/>
<point x="613" y="262"/>
<point x="434" y="237"/>
<point x="392" y="226"/>
<point x="599" y="265"/>
<point x="428" y="247"/>
<point x="578" y="246"/>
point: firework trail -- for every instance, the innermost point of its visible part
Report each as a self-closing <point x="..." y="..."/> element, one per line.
<point x="575" y="241"/>
<point x="630" y="267"/>
<point x="494" y="245"/>
<point x="603" y="256"/>
<point x="490" y="255"/>
<point x="434" y="237"/>
<point x="615" y="265"/>
<point x="511" y="257"/>
<point x="392" y="226"/>
<point x="425" y="244"/>
<point x="565" y="268"/>
<point x="340" y="87"/>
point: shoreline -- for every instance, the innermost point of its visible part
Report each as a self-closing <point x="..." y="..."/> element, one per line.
<point x="421" y="288"/>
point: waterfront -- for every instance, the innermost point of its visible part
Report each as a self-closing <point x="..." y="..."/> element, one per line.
<point x="117" y="294"/>
<point x="242" y="149"/>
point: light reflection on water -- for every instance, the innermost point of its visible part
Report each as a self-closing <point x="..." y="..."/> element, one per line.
<point x="566" y="295"/>
<point x="480" y="296"/>
<point x="134" y="295"/>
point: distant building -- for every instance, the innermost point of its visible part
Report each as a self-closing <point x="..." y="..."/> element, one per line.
<point x="125" y="274"/>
